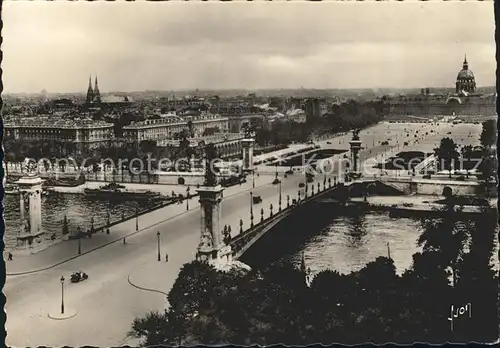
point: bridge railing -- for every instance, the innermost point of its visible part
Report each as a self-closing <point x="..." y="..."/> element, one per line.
<point x="244" y="239"/>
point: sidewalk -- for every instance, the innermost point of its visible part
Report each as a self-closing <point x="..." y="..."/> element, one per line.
<point x="68" y="250"/>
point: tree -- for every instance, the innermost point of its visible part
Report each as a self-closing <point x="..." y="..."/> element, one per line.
<point x="489" y="134"/>
<point x="467" y="152"/>
<point x="447" y="154"/>
<point x="447" y="235"/>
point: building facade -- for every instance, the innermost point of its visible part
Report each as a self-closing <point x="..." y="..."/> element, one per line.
<point x="85" y="133"/>
<point x="466" y="101"/>
<point x="169" y="126"/>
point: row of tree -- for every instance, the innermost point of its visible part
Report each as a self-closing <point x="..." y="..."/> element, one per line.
<point x="375" y="304"/>
<point x="342" y="117"/>
<point x="448" y="155"/>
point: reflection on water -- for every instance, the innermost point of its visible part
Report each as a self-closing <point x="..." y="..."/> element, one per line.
<point x="77" y="207"/>
<point x="338" y="240"/>
<point x="348" y="243"/>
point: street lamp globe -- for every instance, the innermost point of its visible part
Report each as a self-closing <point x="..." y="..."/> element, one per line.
<point x="62" y="279"/>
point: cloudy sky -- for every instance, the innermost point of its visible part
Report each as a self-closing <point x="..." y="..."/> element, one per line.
<point x="135" y="46"/>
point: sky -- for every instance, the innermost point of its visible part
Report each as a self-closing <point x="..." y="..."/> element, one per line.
<point x="134" y="46"/>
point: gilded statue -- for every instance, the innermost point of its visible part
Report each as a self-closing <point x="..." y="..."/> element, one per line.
<point x="30" y="167"/>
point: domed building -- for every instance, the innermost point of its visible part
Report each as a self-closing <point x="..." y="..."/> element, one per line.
<point x="465" y="79"/>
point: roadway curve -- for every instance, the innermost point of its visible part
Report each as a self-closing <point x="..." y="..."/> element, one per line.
<point x="107" y="303"/>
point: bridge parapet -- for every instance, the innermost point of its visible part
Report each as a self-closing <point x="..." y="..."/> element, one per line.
<point x="245" y="239"/>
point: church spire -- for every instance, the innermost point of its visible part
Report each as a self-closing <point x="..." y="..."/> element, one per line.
<point x="97" y="95"/>
<point x="90" y="92"/>
<point x="466" y="64"/>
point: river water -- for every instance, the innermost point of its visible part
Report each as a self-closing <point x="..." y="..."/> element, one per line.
<point x="333" y="238"/>
<point x="78" y="209"/>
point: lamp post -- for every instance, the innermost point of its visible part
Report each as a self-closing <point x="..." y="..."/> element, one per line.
<point x="136" y="218"/>
<point x="261" y="214"/>
<point x="79" y="244"/>
<point x="279" y="201"/>
<point x="158" y="239"/>
<point x="299" y="196"/>
<point x="187" y="198"/>
<point x="276" y="174"/>
<point x="253" y="178"/>
<point x="287" y="201"/>
<point x="62" y="295"/>
<point x="251" y="209"/>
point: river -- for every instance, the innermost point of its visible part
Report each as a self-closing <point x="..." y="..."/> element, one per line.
<point x="77" y="208"/>
<point x="333" y="238"/>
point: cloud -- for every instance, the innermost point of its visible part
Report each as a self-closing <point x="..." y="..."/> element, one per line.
<point x="150" y="45"/>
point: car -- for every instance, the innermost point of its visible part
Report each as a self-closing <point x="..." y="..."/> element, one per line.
<point x="302" y="185"/>
<point x="427" y="176"/>
<point x="448" y="133"/>
<point x="256" y="199"/>
<point x="289" y="172"/>
<point x="78" y="276"/>
<point x="276" y="181"/>
<point x="329" y="142"/>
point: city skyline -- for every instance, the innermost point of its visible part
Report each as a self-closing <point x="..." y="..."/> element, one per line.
<point x="181" y="46"/>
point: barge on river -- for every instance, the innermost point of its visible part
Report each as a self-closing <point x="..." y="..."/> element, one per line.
<point x="114" y="190"/>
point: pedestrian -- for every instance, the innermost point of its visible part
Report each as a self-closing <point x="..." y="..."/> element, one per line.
<point x="107" y="230"/>
<point x="166" y="257"/>
<point x="124" y="240"/>
<point x="9" y="257"/>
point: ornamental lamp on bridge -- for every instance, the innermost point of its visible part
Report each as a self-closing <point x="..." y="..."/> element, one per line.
<point x="241" y="225"/>
<point x="158" y="240"/>
<point x="251" y="209"/>
<point x="262" y="214"/>
<point x="271" y="209"/>
<point x="287" y="201"/>
<point x="279" y="201"/>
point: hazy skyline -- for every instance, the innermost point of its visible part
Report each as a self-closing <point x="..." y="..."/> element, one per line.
<point x="134" y="46"/>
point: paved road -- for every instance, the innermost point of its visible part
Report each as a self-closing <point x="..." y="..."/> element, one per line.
<point x="107" y="303"/>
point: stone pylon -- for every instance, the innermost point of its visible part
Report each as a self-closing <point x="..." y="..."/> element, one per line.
<point x="247" y="146"/>
<point x="30" y="200"/>
<point x="355" y="145"/>
<point x="212" y="248"/>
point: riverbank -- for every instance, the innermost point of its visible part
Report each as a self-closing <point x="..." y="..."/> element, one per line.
<point x="420" y="203"/>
